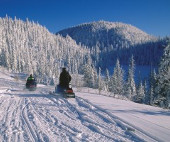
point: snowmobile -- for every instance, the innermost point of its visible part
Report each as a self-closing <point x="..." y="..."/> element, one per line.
<point x="65" y="92"/>
<point x="31" y="85"/>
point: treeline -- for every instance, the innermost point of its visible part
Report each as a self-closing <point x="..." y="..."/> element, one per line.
<point x="29" y="47"/>
<point x="154" y="90"/>
<point x="148" y="53"/>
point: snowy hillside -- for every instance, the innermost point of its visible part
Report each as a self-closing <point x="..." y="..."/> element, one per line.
<point x="38" y="116"/>
<point x="109" y="41"/>
<point x="29" y="47"/>
<point x="107" y="33"/>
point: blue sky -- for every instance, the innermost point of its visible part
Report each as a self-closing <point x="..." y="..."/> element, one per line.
<point x="151" y="16"/>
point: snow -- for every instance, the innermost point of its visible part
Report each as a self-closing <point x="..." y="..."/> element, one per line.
<point x="151" y="121"/>
<point x="38" y="116"/>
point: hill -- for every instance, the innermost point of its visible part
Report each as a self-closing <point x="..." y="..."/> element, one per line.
<point x="111" y="40"/>
<point x="107" y="33"/>
<point x="29" y="47"/>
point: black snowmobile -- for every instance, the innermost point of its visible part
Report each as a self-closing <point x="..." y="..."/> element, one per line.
<point x="65" y="92"/>
<point x="64" y="88"/>
<point x="31" y="83"/>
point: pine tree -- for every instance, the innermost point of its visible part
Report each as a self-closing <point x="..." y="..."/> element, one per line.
<point x="151" y="96"/>
<point x="162" y="89"/>
<point x="51" y="81"/>
<point x="152" y="81"/>
<point x="88" y="76"/>
<point x="100" y="82"/>
<point x="95" y="77"/>
<point x="117" y="80"/>
<point x="130" y="86"/>
<point x="146" y="93"/>
<point x="139" y="98"/>
<point x="76" y="75"/>
<point x="107" y="81"/>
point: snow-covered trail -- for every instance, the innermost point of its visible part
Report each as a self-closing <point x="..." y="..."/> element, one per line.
<point x="34" y="116"/>
<point x="150" y="123"/>
<point x="48" y="118"/>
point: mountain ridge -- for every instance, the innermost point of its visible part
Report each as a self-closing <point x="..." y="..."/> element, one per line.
<point x="109" y="41"/>
<point x="107" y="32"/>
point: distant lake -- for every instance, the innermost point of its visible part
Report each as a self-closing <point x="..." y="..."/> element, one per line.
<point x="141" y="72"/>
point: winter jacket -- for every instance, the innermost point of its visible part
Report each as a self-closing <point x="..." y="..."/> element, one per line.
<point x="65" y="79"/>
<point x="30" y="80"/>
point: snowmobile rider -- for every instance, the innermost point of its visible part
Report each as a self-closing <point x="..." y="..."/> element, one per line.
<point x="64" y="79"/>
<point x="30" y="79"/>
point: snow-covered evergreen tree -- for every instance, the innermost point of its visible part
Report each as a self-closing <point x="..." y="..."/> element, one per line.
<point x="152" y="81"/>
<point x="146" y="93"/>
<point x="162" y="89"/>
<point x="100" y="82"/>
<point x="130" y="85"/>
<point x="117" y="80"/>
<point x="107" y="80"/>
<point x="140" y="94"/>
<point x="90" y="76"/>
<point x="151" y="96"/>
<point x="52" y="81"/>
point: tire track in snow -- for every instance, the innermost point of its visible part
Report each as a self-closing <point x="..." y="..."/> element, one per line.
<point x="44" y="126"/>
<point x="74" y="134"/>
<point x="27" y="125"/>
<point x="36" y="125"/>
<point x="10" y="127"/>
<point x="150" y="122"/>
<point x="16" y="123"/>
<point x="76" y="106"/>
<point x="5" y="123"/>
<point x="62" y="109"/>
<point x="49" y="121"/>
<point x="126" y="125"/>
<point x="102" y="127"/>
<point x="77" y="110"/>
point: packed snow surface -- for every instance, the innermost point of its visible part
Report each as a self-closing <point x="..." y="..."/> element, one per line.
<point x="39" y="116"/>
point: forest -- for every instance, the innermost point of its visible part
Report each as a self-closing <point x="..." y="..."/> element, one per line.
<point x="28" y="47"/>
